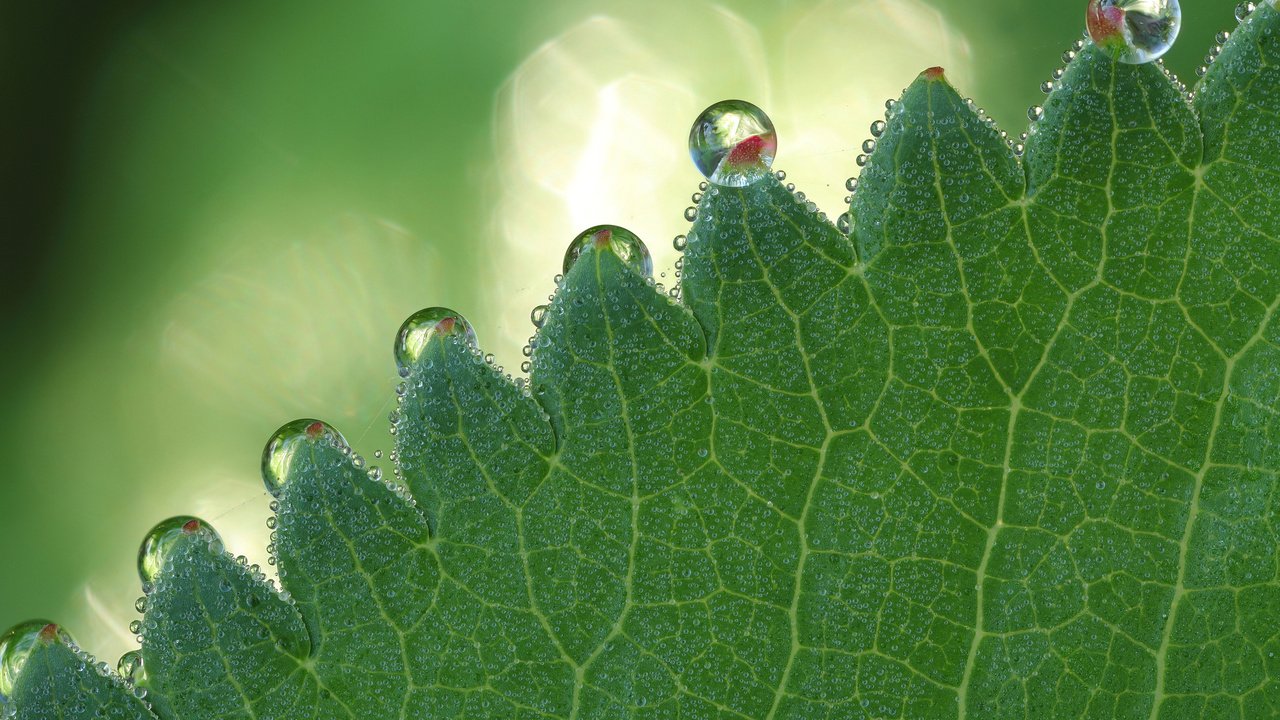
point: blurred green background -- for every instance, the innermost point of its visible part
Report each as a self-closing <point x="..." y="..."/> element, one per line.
<point x="218" y="214"/>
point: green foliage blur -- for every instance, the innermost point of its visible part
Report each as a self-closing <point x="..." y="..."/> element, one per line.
<point x="221" y="212"/>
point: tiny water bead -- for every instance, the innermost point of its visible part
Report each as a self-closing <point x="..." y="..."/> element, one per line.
<point x="18" y="643"/>
<point x="733" y="143"/>
<point x="1142" y="30"/>
<point x="425" y="324"/>
<point x="620" y="241"/>
<point x="291" y="438"/>
<point x="158" y="543"/>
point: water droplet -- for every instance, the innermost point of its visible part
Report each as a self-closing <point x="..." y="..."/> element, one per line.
<point x="1046" y="87"/>
<point x="538" y="315"/>
<point x="691" y="213"/>
<point x="851" y="184"/>
<point x="140" y="604"/>
<point x="278" y="455"/>
<point x="1035" y="112"/>
<point x="425" y="324"/>
<point x="161" y="540"/>
<point x="861" y="160"/>
<point x="130" y="668"/>
<point x="733" y="143"/>
<point x="869" y="146"/>
<point x="843" y="224"/>
<point x="877" y="128"/>
<point x="1244" y="10"/>
<point x="703" y="186"/>
<point x="781" y="175"/>
<point x="620" y="241"/>
<point x="17" y="644"/>
<point x="696" y="198"/>
<point x="680" y="242"/>
<point x="1141" y="30"/>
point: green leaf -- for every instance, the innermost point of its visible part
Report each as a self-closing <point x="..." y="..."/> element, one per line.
<point x="59" y="681"/>
<point x="1009" y="450"/>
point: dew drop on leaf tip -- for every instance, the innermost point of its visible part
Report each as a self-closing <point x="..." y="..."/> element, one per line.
<point x="1139" y="30"/>
<point x="17" y="644"/>
<point x="283" y="447"/>
<point x="618" y="240"/>
<point x="161" y="540"/>
<point x="419" y="328"/>
<point x="733" y="143"/>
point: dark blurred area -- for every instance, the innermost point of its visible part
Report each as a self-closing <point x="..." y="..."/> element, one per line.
<point x="48" y="56"/>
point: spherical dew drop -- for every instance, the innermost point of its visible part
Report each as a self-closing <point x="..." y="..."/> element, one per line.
<point x="733" y="143"/>
<point x="283" y="447"/>
<point x="17" y="645"/>
<point x="618" y="240"/>
<point x="163" y="538"/>
<point x="418" y="330"/>
<point x="130" y="668"/>
<point x="1140" y="31"/>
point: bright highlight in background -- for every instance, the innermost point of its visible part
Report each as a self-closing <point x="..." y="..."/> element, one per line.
<point x="592" y="127"/>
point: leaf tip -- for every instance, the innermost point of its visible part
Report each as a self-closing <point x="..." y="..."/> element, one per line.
<point x="934" y="74"/>
<point x="747" y="153"/>
<point x="1105" y="24"/>
<point x="49" y="633"/>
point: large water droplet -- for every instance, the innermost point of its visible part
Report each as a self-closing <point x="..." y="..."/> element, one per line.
<point x="1142" y="30"/>
<point x="538" y="315"/>
<point x="158" y="543"/>
<point x="16" y="646"/>
<point x="620" y="241"/>
<point x="425" y="324"/>
<point x="130" y="668"/>
<point x="287" y="442"/>
<point x="733" y="143"/>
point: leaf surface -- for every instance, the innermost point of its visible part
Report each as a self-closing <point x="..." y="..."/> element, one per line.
<point x="1008" y="450"/>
